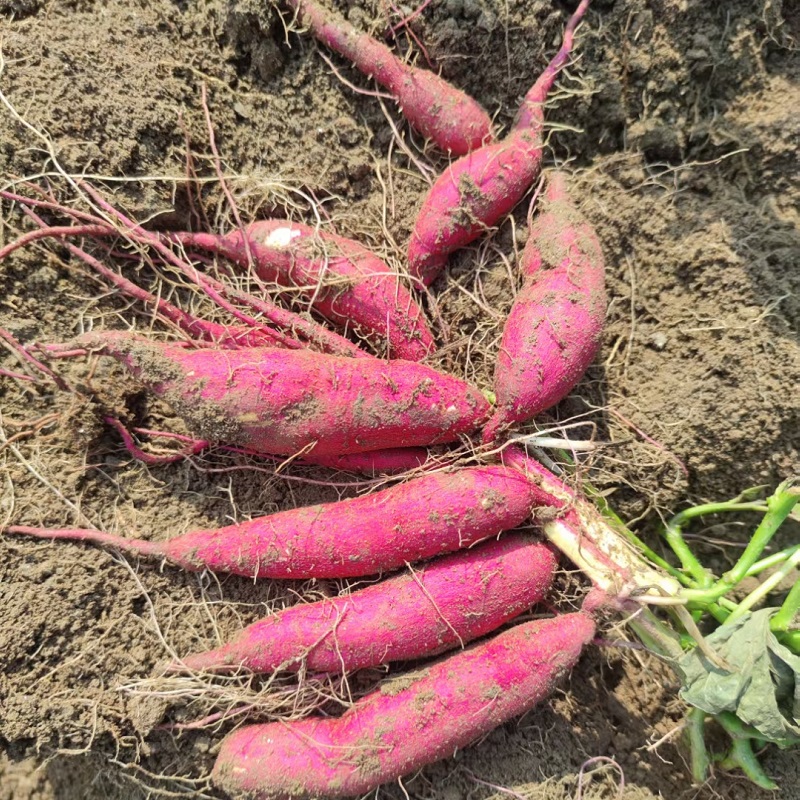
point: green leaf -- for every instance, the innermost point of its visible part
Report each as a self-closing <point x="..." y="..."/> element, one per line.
<point x="762" y="686"/>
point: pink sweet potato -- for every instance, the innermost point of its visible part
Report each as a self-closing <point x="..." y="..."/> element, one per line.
<point x="290" y="330"/>
<point x="286" y="402"/>
<point x="439" y="111"/>
<point x="409" y="722"/>
<point x="389" y="461"/>
<point x="442" y="604"/>
<point x="553" y="329"/>
<point x="344" y="281"/>
<point x="425" y="517"/>
<point x="475" y="192"/>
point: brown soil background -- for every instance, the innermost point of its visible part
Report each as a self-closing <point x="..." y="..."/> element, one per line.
<point x="681" y="124"/>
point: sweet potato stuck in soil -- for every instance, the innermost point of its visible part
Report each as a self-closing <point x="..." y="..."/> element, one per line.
<point x="439" y="111"/>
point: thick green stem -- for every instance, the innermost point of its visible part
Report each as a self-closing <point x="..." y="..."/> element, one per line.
<point x="766" y="587"/>
<point x="780" y="505"/>
<point x="696" y="734"/>
<point x="790" y="640"/>
<point x="593" y="543"/>
<point x="787" y="613"/>
<point x="673" y="533"/>
<point x="741" y="754"/>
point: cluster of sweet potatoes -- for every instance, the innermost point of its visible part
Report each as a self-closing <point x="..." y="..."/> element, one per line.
<point x="283" y="386"/>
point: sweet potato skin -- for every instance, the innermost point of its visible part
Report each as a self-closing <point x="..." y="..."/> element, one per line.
<point x="477" y="191"/>
<point x="422" y="518"/>
<point x="389" y="461"/>
<point x="425" y="517"/>
<point x="438" y="606"/>
<point x="407" y="723"/>
<point x="283" y="402"/>
<point x="344" y="281"/>
<point x="434" y="107"/>
<point x="472" y="194"/>
<point x="554" y="328"/>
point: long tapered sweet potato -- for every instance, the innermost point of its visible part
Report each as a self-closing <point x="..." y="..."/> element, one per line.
<point x="286" y="402"/>
<point x="419" y="519"/>
<point x="475" y="192"/>
<point x="407" y="723"/>
<point x="439" y="111"/>
<point x="417" y="613"/>
<point x="343" y="280"/>
<point x="553" y="329"/>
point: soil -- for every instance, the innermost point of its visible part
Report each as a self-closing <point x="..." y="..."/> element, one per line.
<point x="679" y="123"/>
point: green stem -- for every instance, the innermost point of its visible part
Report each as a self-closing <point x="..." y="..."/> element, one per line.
<point x="787" y="613"/>
<point x="772" y="561"/>
<point x="766" y="587"/>
<point x="790" y="640"/>
<point x="719" y="613"/>
<point x="695" y="728"/>
<point x="741" y="754"/>
<point x="674" y="535"/>
<point x="780" y="505"/>
<point x="688" y="560"/>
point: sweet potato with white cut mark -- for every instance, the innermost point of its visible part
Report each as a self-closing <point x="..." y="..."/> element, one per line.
<point x="479" y="190"/>
<point x="434" y="107"/>
<point x="344" y="281"/>
<point x="418" y="613"/>
<point x="553" y="330"/>
<point x="425" y="517"/>
<point x="287" y="402"/>
<point x="409" y="722"/>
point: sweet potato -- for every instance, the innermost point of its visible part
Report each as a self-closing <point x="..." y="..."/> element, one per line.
<point x="475" y="192"/>
<point x="407" y="723"/>
<point x="418" y="613"/>
<point x="434" y="107"/>
<point x="389" y="461"/>
<point x="344" y="281"/>
<point x="425" y="517"/>
<point x="553" y="329"/>
<point x="293" y="331"/>
<point x="284" y="402"/>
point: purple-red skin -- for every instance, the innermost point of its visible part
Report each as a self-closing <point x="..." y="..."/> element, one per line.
<point x="389" y="461"/>
<point x="554" y="328"/>
<point x="453" y="120"/>
<point x="344" y="281"/>
<point x="291" y="402"/>
<point x="422" y="518"/>
<point x="472" y="194"/>
<point x="438" y="606"/>
<point x="407" y="723"/>
<point x="477" y="191"/>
